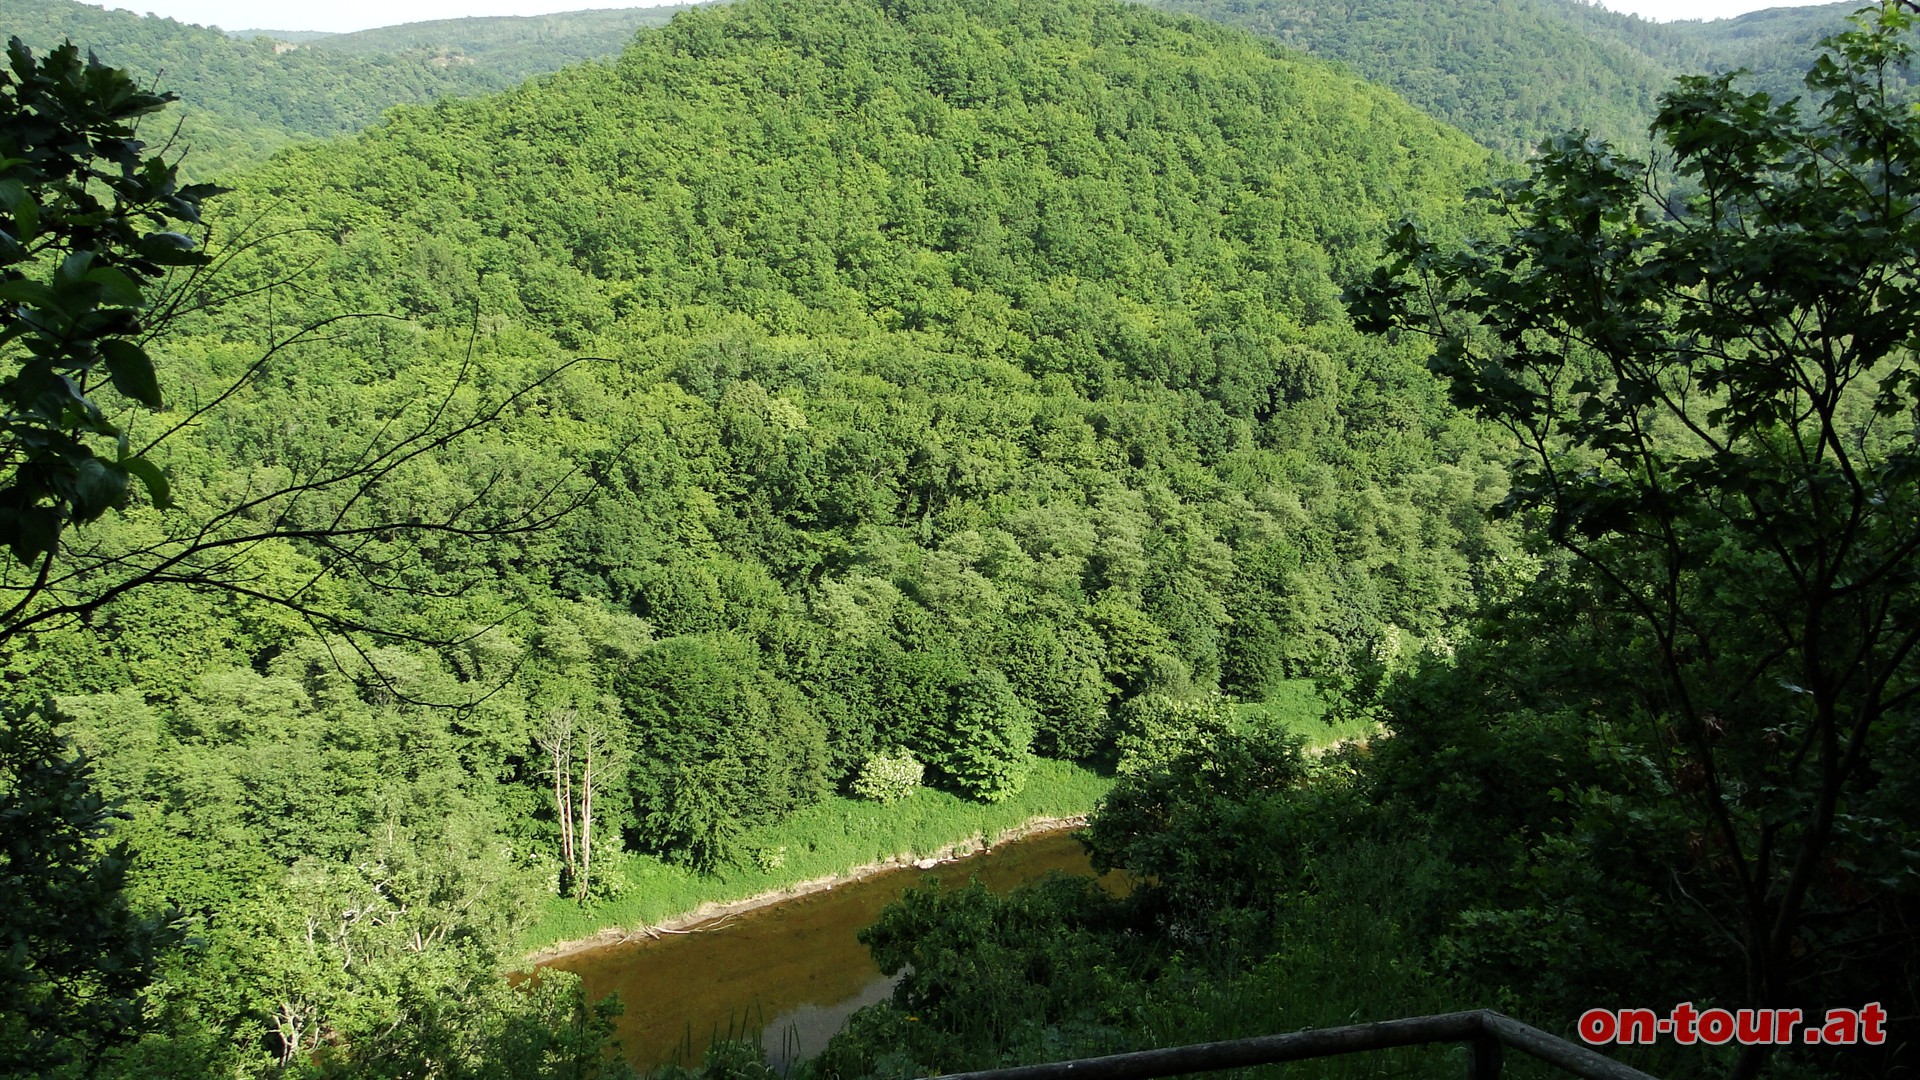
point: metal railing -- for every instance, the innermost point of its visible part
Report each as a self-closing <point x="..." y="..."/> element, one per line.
<point x="1485" y="1032"/>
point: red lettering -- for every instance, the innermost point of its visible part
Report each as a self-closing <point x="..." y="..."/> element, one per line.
<point x="1872" y="1016"/>
<point x="1784" y="1021"/>
<point x="1638" y="1026"/>
<point x="1716" y="1026"/>
<point x="1683" y="1020"/>
<point x="1598" y="1026"/>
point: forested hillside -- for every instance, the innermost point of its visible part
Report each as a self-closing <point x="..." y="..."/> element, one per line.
<point x="1513" y="72"/>
<point x="1508" y="72"/>
<point x="539" y="497"/>
<point x="243" y="99"/>
<point x="1773" y="45"/>
<point x="963" y="380"/>
<point x="1672" y="767"/>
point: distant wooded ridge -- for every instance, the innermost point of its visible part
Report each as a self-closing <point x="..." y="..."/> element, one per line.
<point x="1507" y="72"/>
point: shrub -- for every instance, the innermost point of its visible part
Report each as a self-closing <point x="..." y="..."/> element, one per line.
<point x="987" y="746"/>
<point x="888" y="777"/>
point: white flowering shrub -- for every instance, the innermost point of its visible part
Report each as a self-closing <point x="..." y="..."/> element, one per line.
<point x="888" y="777"/>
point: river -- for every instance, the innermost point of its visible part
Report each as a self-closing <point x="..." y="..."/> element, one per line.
<point x="790" y="973"/>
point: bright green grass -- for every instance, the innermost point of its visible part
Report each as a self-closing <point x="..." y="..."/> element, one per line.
<point x="1295" y="705"/>
<point x="829" y="838"/>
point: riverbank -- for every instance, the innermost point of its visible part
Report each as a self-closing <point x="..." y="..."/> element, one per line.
<point x="838" y="841"/>
<point x="714" y="911"/>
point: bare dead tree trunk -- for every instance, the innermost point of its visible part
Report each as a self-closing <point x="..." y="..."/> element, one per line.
<point x="568" y="852"/>
<point x="558" y="743"/>
<point x="581" y="748"/>
<point x="586" y="814"/>
<point x="289" y="1024"/>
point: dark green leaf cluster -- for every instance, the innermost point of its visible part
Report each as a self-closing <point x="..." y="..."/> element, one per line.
<point x="720" y="746"/>
<point x="87" y="231"/>
<point x="1722" y="410"/>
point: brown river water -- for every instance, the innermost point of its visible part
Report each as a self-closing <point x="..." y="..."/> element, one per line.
<point x="790" y="973"/>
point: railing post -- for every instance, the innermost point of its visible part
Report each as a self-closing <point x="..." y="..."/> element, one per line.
<point x="1483" y="1057"/>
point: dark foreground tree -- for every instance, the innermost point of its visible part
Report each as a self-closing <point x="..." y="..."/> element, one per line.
<point x="73" y="957"/>
<point x="86" y="228"/>
<point x="1719" y="406"/>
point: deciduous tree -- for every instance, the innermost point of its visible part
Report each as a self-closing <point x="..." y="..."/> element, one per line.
<point x="1719" y="407"/>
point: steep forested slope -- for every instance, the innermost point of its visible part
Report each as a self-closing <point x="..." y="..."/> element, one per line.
<point x="969" y="380"/>
<point x="1551" y="822"/>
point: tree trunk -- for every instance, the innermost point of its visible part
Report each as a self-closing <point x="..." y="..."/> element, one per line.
<point x="586" y="818"/>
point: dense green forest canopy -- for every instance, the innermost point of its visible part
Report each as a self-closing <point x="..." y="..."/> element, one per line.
<point x="1509" y="72"/>
<point x="1771" y="45"/>
<point x="1674" y="767"/>
<point x="967" y="380"/>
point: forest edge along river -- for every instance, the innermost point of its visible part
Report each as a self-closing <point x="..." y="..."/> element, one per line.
<point x="787" y="970"/>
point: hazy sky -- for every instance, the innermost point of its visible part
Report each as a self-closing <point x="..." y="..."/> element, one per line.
<point x="341" y="15"/>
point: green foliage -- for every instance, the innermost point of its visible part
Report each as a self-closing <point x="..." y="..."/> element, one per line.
<point x="980" y="973"/>
<point x="1508" y="72"/>
<point x="823" y="840"/>
<point x="1155" y="729"/>
<point x="1722" y="414"/>
<point x="1064" y="969"/>
<point x="888" y="777"/>
<point x="1513" y="73"/>
<point x="970" y="371"/>
<point x="1216" y="826"/>
<point x="86" y="229"/>
<point x="984" y="747"/>
<point x="245" y="99"/>
<point x="74" y="958"/>
<point x="726" y="1059"/>
<point x="719" y="744"/>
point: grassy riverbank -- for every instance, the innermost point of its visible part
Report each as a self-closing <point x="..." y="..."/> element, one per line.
<point x="831" y="838"/>
<point x="840" y="835"/>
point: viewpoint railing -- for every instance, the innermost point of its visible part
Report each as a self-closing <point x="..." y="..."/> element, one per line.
<point x="1483" y="1031"/>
